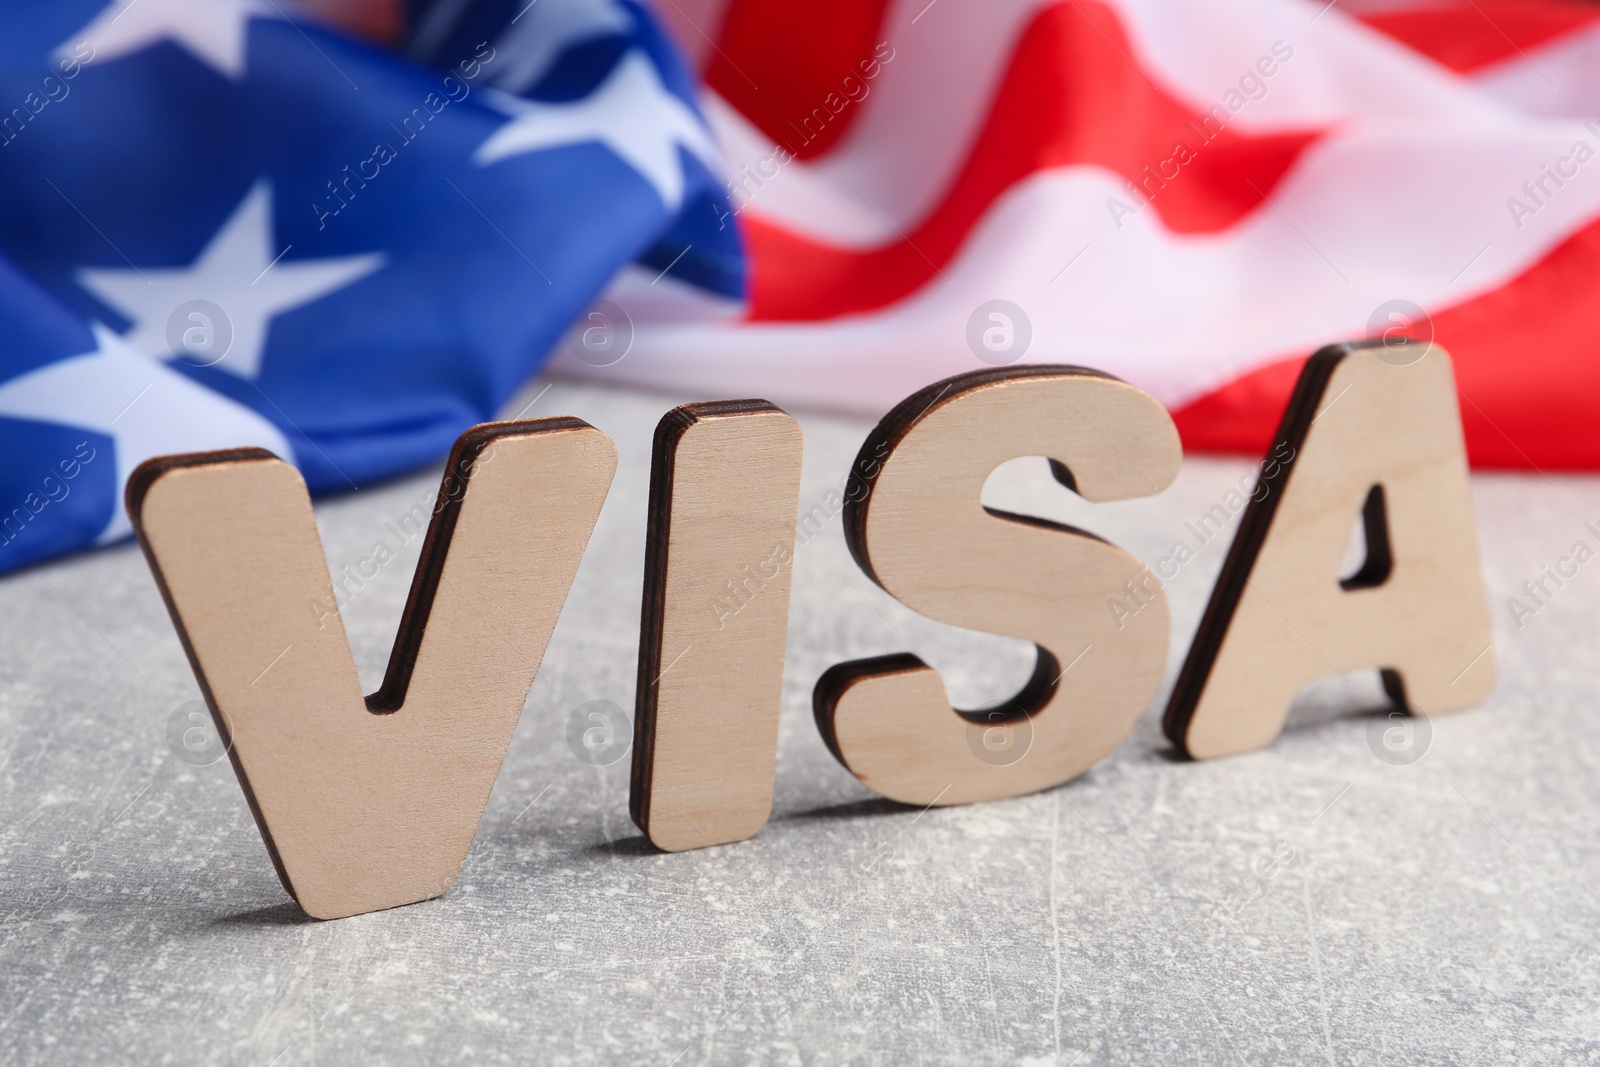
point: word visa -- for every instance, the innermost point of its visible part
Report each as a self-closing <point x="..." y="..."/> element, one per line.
<point x="369" y="802"/>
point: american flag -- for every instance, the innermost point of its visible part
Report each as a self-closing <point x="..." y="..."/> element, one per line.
<point x="226" y="223"/>
<point x="345" y="231"/>
<point x="1190" y="196"/>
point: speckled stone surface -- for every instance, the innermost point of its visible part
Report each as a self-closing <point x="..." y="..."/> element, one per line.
<point x="1311" y="903"/>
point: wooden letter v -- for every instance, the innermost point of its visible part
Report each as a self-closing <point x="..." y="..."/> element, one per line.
<point x="369" y="803"/>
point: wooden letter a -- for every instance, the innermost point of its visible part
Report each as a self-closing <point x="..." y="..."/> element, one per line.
<point x="1371" y="432"/>
<point x="369" y="803"/>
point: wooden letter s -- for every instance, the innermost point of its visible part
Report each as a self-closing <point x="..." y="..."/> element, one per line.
<point x="916" y="524"/>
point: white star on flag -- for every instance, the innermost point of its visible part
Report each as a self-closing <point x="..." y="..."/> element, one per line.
<point x="632" y="114"/>
<point x="146" y="408"/>
<point x="214" y="30"/>
<point x="240" y="273"/>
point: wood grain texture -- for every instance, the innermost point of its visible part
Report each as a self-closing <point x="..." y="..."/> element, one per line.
<point x="915" y="522"/>
<point x="369" y="803"/>
<point x="724" y="497"/>
<point x="1371" y="434"/>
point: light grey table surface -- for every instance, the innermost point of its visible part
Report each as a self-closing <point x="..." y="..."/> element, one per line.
<point x="1443" y="911"/>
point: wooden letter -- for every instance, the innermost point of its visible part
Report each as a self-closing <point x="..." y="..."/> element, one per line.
<point x="914" y="521"/>
<point x="1374" y="433"/>
<point x="371" y="803"/>
<point x="724" y="492"/>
